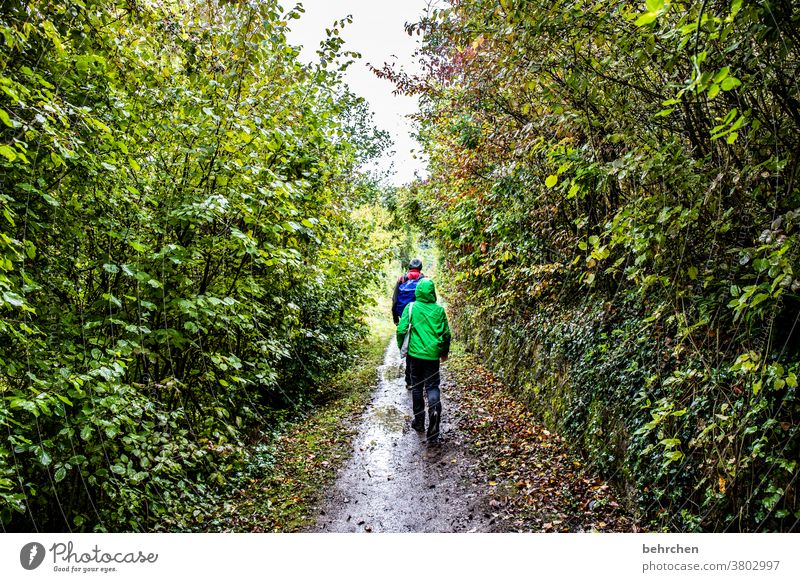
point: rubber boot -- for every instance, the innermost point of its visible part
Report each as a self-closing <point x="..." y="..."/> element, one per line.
<point x="434" y="418"/>
<point x="418" y="408"/>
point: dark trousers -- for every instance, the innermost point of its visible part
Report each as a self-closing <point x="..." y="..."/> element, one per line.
<point x="425" y="375"/>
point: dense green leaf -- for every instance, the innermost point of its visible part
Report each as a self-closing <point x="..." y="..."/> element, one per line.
<point x="184" y="207"/>
<point x="648" y="311"/>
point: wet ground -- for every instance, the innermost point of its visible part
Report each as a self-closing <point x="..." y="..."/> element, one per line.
<point x="395" y="481"/>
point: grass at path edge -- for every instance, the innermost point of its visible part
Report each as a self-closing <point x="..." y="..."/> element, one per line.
<point x="290" y="473"/>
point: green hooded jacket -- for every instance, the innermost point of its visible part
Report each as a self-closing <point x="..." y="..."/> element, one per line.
<point x="430" y="332"/>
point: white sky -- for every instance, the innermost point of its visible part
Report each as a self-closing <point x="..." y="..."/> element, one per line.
<point x="378" y="33"/>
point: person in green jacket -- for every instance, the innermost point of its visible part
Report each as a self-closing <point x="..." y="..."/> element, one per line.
<point x="428" y="343"/>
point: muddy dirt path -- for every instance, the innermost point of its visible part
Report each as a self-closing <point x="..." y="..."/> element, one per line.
<point x="395" y="482"/>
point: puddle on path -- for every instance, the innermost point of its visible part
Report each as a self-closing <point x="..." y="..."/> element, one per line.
<point x="390" y="418"/>
<point x="395" y="482"/>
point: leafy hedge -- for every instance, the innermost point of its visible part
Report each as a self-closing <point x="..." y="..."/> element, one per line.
<point x="178" y="256"/>
<point x="615" y="188"/>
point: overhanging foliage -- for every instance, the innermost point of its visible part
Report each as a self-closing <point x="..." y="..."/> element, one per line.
<point x="179" y="254"/>
<point x="615" y="187"/>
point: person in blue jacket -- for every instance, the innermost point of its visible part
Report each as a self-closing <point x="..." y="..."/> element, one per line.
<point x="403" y="295"/>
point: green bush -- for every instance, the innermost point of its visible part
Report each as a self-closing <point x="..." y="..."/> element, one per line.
<point x="614" y="187"/>
<point x="179" y="254"/>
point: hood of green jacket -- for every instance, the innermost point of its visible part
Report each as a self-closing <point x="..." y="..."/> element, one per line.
<point x="426" y="291"/>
